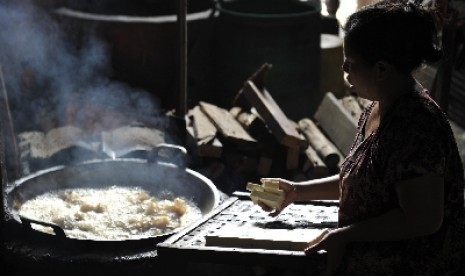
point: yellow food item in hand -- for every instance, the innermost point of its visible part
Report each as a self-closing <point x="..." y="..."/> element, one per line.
<point x="268" y="193"/>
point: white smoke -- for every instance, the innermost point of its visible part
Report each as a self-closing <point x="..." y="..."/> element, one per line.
<point x="44" y="71"/>
<point x="49" y="82"/>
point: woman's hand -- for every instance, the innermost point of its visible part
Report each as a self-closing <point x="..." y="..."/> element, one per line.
<point x="290" y="195"/>
<point x="334" y="244"/>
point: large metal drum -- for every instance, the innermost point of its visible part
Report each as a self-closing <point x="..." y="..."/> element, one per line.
<point x="284" y="33"/>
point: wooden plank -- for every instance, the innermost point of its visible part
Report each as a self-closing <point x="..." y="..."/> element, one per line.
<point x="214" y="148"/>
<point x="313" y="162"/>
<point x="202" y="134"/>
<point x="313" y="166"/>
<point x="325" y="149"/>
<point x="227" y="125"/>
<point x="204" y="130"/>
<point x="292" y="135"/>
<point x="235" y="111"/>
<point x="336" y="122"/>
<point x="254" y="125"/>
<point x="273" y="116"/>
<point x="271" y="239"/>
<point x="258" y="78"/>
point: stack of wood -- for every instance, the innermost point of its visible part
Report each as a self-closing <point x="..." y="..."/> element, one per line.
<point x="255" y="137"/>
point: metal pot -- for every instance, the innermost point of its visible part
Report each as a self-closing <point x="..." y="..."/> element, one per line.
<point x="165" y="180"/>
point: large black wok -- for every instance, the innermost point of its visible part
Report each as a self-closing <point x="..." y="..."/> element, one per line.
<point x="161" y="179"/>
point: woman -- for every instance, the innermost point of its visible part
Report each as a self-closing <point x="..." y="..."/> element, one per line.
<point x="401" y="188"/>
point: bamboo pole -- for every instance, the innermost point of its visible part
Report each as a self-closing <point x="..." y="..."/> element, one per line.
<point x="182" y="23"/>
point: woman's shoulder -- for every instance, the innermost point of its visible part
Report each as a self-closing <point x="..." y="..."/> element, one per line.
<point x="420" y="109"/>
<point x="417" y="122"/>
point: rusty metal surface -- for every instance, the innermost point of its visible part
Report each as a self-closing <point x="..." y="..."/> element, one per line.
<point x="189" y="245"/>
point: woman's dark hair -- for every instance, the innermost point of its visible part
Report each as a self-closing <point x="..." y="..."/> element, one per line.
<point x="403" y="34"/>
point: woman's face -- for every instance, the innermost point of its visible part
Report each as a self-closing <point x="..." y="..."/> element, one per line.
<point x="360" y="75"/>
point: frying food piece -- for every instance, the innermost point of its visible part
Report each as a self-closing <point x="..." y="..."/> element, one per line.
<point x="178" y="206"/>
<point x="98" y="208"/>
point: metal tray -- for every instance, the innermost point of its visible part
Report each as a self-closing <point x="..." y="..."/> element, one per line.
<point x="189" y="244"/>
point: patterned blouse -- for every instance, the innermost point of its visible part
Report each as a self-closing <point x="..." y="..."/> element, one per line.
<point x="413" y="138"/>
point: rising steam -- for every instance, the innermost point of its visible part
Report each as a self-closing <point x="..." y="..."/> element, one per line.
<point x="50" y="82"/>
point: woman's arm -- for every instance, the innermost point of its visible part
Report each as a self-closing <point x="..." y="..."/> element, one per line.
<point x="315" y="189"/>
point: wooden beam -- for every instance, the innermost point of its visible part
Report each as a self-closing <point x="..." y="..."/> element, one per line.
<point x="213" y="148"/>
<point x="312" y="161"/>
<point x="204" y="130"/>
<point x="201" y="135"/>
<point x="273" y="116"/>
<point x="325" y="149"/>
<point x="254" y="125"/>
<point x="228" y="126"/>
<point x="336" y="122"/>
